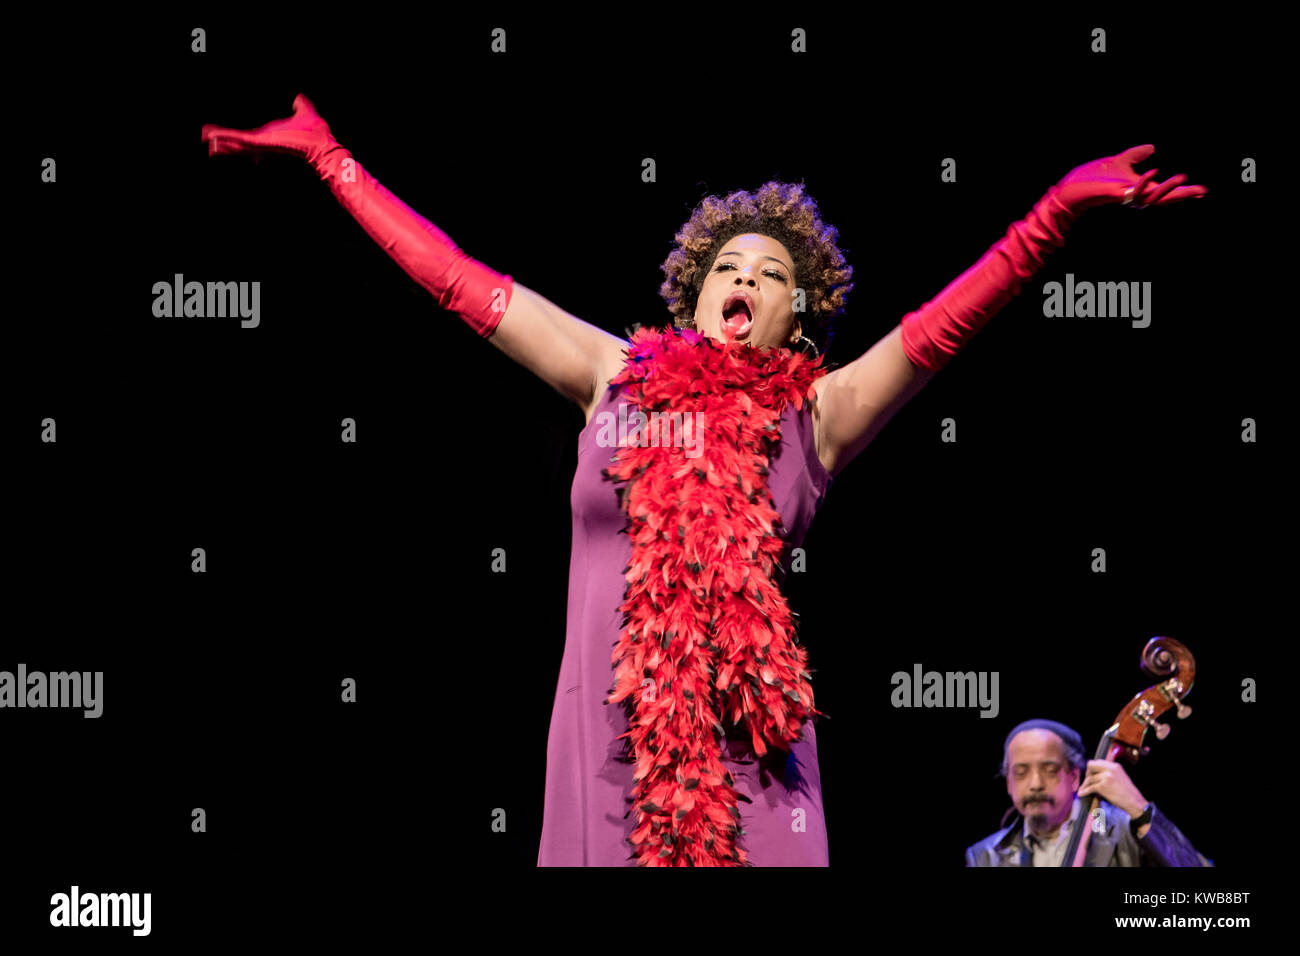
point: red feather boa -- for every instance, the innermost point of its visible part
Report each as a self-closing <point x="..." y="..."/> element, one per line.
<point x="707" y="632"/>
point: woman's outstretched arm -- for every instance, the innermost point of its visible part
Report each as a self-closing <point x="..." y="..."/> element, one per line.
<point x="567" y="353"/>
<point x="857" y="400"/>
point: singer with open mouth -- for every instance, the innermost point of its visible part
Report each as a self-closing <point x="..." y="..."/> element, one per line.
<point x="675" y="559"/>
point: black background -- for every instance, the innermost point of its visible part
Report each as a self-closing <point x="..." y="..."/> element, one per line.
<point x="372" y="560"/>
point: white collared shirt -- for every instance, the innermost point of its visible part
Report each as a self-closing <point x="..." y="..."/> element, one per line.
<point x="1051" y="851"/>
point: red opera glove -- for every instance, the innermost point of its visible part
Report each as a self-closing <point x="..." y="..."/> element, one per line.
<point x="478" y="294"/>
<point x="933" y="334"/>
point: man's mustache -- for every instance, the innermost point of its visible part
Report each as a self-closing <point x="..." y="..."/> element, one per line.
<point x="1030" y="801"/>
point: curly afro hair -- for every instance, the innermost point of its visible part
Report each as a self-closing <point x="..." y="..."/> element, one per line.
<point x="781" y="211"/>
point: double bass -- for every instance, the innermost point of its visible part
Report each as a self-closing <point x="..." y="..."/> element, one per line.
<point x="1165" y="658"/>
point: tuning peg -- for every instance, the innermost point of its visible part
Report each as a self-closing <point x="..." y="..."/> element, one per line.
<point x="1174" y="691"/>
<point x="1145" y="713"/>
<point x="1145" y="751"/>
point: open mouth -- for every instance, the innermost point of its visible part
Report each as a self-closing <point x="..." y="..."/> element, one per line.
<point x="737" y="319"/>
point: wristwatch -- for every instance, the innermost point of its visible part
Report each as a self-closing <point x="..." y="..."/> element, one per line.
<point x="1140" y="820"/>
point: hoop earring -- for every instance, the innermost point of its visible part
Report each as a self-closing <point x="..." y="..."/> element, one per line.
<point x="816" y="350"/>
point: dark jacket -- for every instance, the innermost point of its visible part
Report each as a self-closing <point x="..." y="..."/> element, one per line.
<point x="1163" y="845"/>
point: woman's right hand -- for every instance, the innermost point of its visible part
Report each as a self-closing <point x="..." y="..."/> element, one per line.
<point x="303" y="134"/>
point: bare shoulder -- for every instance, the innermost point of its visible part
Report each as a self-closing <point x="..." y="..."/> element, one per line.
<point x="612" y="358"/>
<point x="825" y="454"/>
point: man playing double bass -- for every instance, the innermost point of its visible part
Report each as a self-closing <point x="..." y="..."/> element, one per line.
<point x="1042" y="761"/>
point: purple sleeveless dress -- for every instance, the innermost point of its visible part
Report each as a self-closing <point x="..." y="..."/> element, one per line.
<point x="588" y="779"/>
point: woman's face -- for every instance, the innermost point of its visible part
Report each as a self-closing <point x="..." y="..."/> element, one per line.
<point x="757" y="268"/>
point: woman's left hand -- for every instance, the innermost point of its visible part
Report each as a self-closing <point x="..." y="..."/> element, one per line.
<point x="1112" y="179"/>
